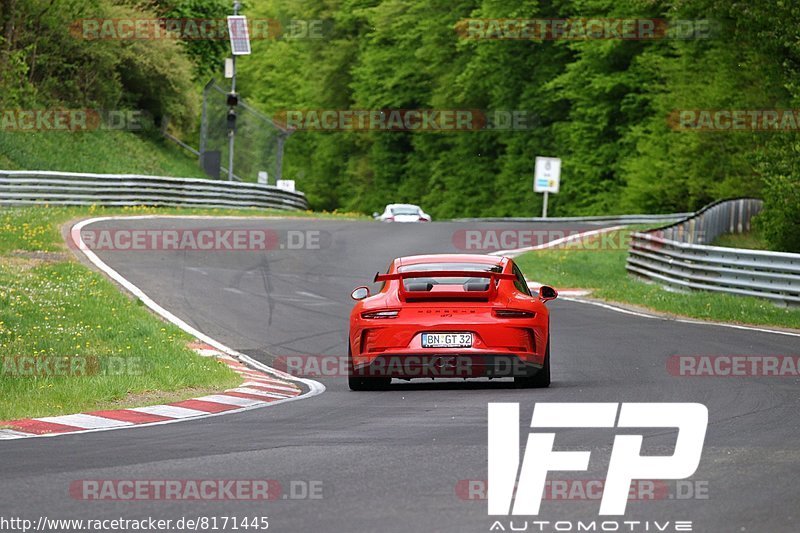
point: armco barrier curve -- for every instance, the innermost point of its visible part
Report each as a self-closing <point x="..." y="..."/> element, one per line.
<point x="69" y="188"/>
<point x="678" y="256"/>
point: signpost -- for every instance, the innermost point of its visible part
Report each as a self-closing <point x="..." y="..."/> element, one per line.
<point x="546" y="178"/>
<point x="240" y="46"/>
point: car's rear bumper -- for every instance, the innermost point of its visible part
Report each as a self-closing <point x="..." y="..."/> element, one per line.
<point x="448" y="364"/>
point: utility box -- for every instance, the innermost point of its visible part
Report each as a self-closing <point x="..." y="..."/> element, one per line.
<point x="211" y="161"/>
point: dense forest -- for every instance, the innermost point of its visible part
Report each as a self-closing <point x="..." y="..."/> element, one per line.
<point x="604" y="106"/>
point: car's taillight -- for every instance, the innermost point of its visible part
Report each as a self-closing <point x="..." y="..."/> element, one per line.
<point x="387" y="313"/>
<point x="513" y="313"/>
<point x="390" y="219"/>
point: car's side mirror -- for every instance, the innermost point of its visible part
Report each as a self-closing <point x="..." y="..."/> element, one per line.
<point x="359" y="293"/>
<point x="546" y="293"/>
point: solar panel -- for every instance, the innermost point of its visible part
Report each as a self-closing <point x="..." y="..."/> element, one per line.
<point x="240" y="37"/>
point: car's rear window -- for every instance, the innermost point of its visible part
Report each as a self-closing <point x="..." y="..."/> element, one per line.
<point x="429" y="282"/>
<point x="405" y="211"/>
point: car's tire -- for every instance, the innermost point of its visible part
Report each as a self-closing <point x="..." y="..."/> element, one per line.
<point x="359" y="383"/>
<point x="540" y="380"/>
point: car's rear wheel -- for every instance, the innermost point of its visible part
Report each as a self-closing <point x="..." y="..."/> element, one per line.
<point x="541" y="379"/>
<point x="359" y="383"/>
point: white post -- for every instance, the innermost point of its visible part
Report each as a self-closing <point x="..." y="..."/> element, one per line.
<point x="544" y="206"/>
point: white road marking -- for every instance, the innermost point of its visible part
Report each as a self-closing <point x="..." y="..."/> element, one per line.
<point x="303" y="300"/>
<point x="230" y="400"/>
<point x="170" y="411"/>
<point x="681" y="320"/>
<point x="551" y="244"/>
<point x="257" y="392"/>
<point x="8" y="434"/>
<point x="84" y="421"/>
<point x="270" y="384"/>
<point x="310" y="295"/>
<point x="561" y="292"/>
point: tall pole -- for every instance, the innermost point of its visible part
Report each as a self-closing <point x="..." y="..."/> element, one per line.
<point x="544" y="206"/>
<point x="231" y="131"/>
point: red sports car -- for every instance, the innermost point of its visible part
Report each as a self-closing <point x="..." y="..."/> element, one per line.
<point x="450" y="316"/>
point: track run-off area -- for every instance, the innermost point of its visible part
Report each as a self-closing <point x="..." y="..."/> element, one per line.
<point x="413" y="457"/>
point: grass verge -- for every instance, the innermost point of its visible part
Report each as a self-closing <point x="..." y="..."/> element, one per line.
<point x="105" y="152"/>
<point x="602" y="269"/>
<point x="750" y="241"/>
<point x="70" y="341"/>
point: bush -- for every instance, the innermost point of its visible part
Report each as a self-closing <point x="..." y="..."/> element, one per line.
<point x="45" y="61"/>
<point x="780" y="220"/>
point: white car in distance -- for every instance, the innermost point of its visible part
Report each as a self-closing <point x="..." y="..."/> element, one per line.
<point x="402" y="213"/>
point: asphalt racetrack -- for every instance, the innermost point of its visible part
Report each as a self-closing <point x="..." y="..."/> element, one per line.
<point x="399" y="460"/>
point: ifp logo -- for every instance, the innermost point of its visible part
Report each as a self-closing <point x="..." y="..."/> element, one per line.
<point x="626" y="463"/>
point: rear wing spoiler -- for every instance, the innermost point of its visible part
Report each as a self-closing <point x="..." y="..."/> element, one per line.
<point x="444" y="274"/>
<point x="489" y="293"/>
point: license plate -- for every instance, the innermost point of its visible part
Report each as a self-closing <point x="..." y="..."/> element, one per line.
<point x="447" y="340"/>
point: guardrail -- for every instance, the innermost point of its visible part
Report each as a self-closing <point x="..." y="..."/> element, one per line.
<point x="601" y="219"/>
<point x="675" y="256"/>
<point x="718" y="218"/>
<point x="69" y="188"/>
